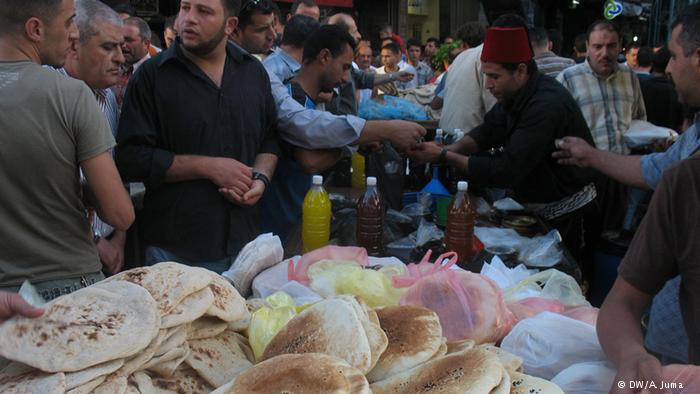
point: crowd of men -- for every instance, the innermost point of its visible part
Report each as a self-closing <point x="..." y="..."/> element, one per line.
<point x="226" y="123"/>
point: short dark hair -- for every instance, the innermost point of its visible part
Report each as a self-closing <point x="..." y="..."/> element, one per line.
<point x="253" y="7"/>
<point x="142" y="25"/>
<point x="632" y="46"/>
<point x="556" y="38"/>
<point x="660" y="60"/>
<point x="602" y="24"/>
<point x="125" y="8"/>
<point x="231" y="7"/>
<point x="331" y="37"/>
<point x="170" y="22"/>
<point x="531" y="66"/>
<point x="538" y="37"/>
<point x="645" y="57"/>
<point x="689" y="38"/>
<point x="15" y="13"/>
<point x="471" y="33"/>
<point x="433" y="39"/>
<point x="297" y="3"/>
<point x="580" y="42"/>
<point x="298" y="30"/>
<point x="496" y="9"/>
<point x="393" y="47"/>
<point x="413" y="42"/>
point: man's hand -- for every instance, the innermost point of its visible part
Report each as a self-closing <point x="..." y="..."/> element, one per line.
<point x="660" y="145"/>
<point x="230" y="174"/>
<point x="427" y="152"/>
<point x="250" y="198"/>
<point x="12" y="304"/>
<point x="403" y="76"/>
<point x="404" y="135"/>
<point x="574" y="151"/>
<point x="111" y="252"/>
<point x="645" y="367"/>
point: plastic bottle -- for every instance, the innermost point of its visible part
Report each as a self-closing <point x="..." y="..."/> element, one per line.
<point x="439" y="137"/>
<point x="453" y="175"/>
<point x="460" y="225"/>
<point x="370" y="219"/>
<point x="315" y="216"/>
<point x="358" y="171"/>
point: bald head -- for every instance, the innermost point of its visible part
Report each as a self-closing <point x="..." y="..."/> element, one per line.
<point x="347" y="22"/>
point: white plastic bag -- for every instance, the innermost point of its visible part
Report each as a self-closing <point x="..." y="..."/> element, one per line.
<point x="542" y="251"/>
<point x="494" y="236"/>
<point x="256" y="256"/>
<point x="642" y="133"/>
<point x="503" y="276"/>
<point x="270" y="281"/>
<point x="551" y="284"/>
<point x="586" y="378"/>
<point x="549" y="343"/>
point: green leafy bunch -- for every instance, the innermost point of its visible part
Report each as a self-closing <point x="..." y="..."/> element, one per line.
<point x="444" y="54"/>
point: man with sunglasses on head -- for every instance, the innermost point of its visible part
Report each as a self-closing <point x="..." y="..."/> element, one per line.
<point x="256" y="27"/>
<point x="205" y="161"/>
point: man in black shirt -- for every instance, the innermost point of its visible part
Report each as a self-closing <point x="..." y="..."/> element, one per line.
<point x="197" y="128"/>
<point x="659" y="93"/>
<point x="512" y="148"/>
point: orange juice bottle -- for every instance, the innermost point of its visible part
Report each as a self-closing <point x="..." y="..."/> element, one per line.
<point x="358" y="171"/>
<point x="315" y="216"/>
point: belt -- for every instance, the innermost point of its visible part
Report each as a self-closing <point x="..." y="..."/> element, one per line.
<point x="566" y="205"/>
<point x="52" y="289"/>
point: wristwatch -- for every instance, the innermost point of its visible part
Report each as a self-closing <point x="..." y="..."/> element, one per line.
<point x="261" y="177"/>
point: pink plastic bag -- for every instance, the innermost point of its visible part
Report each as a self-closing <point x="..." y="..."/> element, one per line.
<point x="298" y="271"/>
<point x="470" y="306"/>
<point x="424" y="268"/>
<point x="530" y="307"/>
<point x="586" y="314"/>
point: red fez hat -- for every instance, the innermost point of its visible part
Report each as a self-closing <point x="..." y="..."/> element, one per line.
<point x="506" y="45"/>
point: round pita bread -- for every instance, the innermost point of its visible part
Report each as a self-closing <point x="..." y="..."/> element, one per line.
<point x="415" y="336"/>
<point x="17" y="378"/>
<point x="79" y="378"/>
<point x="301" y="373"/>
<point x="169" y="283"/>
<point x="206" y="327"/>
<point x="330" y="327"/>
<point x="228" y="305"/>
<point x="526" y="384"/>
<point x="190" y="309"/>
<point x="220" y="359"/>
<point x="472" y="372"/>
<point x="100" y="323"/>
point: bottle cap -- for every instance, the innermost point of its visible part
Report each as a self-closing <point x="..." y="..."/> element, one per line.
<point x="438" y="132"/>
<point x="371" y="181"/>
<point x="462" y="186"/>
<point x="317" y="180"/>
<point x="457" y="131"/>
<point x="460" y="135"/>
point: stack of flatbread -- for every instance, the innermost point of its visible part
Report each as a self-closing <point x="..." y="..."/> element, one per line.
<point x="168" y="328"/>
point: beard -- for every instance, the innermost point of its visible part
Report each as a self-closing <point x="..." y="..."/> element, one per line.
<point x="206" y="47"/>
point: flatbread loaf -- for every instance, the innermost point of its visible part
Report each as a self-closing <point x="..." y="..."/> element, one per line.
<point x="79" y="378"/>
<point x="18" y="378"/>
<point x="100" y="323"/>
<point x="526" y="384"/>
<point x="472" y="372"/>
<point x="190" y="309"/>
<point x="330" y="327"/>
<point x="302" y="373"/>
<point x="228" y="305"/>
<point x="206" y="327"/>
<point x="220" y="359"/>
<point x="415" y="336"/>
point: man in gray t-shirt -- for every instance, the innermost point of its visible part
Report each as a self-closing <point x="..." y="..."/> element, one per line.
<point x="50" y="125"/>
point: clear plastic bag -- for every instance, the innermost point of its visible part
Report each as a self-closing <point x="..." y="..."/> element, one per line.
<point x="550" y="284"/>
<point x="543" y="251"/>
<point x="391" y="108"/>
<point x="548" y="343"/>
<point x="505" y="277"/>
<point x="329" y="278"/>
<point x="587" y="378"/>
<point x="470" y="306"/>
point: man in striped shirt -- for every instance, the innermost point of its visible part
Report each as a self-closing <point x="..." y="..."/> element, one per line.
<point x="548" y="63"/>
<point x="96" y="59"/>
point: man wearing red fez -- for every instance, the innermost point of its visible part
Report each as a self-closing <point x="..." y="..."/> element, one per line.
<point x="512" y="149"/>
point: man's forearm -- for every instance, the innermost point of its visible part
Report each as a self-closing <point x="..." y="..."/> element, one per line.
<point x="622" y="168"/>
<point x="265" y="163"/>
<point x="374" y="130"/>
<point x="457" y="161"/>
<point x="465" y="146"/>
<point x="381" y="79"/>
<point x="619" y="322"/>
<point x="187" y="168"/>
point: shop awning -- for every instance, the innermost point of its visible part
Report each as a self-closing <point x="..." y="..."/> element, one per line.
<point x="327" y="3"/>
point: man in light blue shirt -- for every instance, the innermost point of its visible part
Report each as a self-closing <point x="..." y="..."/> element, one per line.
<point x="285" y="60"/>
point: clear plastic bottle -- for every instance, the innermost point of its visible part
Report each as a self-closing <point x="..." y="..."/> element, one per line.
<point x="453" y="175"/>
<point x="358" y="171"/>
<point x="315" y="216"/>
<point x="460" y="225"/>
<point x="439" y="137"/>
<point x="370" y="219"/>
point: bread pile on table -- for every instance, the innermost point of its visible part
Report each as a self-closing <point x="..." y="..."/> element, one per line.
<point x="171" y="328"/>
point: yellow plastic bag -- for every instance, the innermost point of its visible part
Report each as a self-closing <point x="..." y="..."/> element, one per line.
<point x="329" y="278"/>
<point x="266" y="322"/>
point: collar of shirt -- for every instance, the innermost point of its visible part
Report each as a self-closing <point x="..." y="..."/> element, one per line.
<point x="288" y="60"/>
<point x="545" y="54"/>
<point x="618" y="70"/>
<point x="140" y="62"/>
<point x="175" y="52"/>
